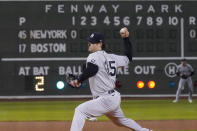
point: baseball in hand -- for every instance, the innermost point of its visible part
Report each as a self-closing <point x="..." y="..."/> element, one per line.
<point x="124" y="32"/>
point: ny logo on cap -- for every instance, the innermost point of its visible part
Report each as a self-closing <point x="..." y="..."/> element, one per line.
<point x="92" y="35"/>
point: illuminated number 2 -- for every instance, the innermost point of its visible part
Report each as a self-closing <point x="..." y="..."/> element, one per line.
<point x="40" y="83"/>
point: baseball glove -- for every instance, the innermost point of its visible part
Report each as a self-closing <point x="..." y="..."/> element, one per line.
<point x="118" y="84"/>
<point x="69" y="78"/>
<point x="184" y="76"/>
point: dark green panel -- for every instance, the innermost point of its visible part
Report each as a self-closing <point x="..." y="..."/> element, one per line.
<point x="162" y="32"/>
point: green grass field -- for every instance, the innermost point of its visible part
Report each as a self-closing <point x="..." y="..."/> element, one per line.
<point x="63" y="110"/>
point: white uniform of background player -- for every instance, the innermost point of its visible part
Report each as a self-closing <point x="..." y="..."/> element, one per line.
<point x="185" y="71"/>
<point x="106" y="100"/>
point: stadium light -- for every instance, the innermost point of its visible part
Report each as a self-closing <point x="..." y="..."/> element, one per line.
<point x="151" y="84"/>
<point x="60" y="85"/>
<point x="140" y="84"/>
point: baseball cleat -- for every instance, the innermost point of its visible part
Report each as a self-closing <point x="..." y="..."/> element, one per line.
<point x="174" y="101"/>
<point x="93" y="119"/>
<point x="190" y="100"/>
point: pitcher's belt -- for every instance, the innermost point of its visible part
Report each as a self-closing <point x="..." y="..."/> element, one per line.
<point x="108" y="92"/>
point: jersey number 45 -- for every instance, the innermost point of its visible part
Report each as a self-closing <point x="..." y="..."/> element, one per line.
<point x="110" y="67"/>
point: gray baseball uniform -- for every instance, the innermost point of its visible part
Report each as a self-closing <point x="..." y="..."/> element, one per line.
<point x="106" y="100"/>
<point x="185" y="72"/>
<point x="101" y="72"/>
<point x="105" y="78"/>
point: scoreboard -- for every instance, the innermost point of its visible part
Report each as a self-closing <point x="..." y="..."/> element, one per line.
<point x="43" y="41"/>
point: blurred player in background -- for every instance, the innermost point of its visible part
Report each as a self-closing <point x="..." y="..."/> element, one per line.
<point x="184" y="71"/>
<point x="101" y="72"/>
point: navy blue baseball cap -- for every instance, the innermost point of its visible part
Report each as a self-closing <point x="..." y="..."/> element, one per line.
<point x="96" y="37"/>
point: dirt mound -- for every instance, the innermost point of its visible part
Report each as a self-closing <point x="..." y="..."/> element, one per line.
<point x="163" y="125"/>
